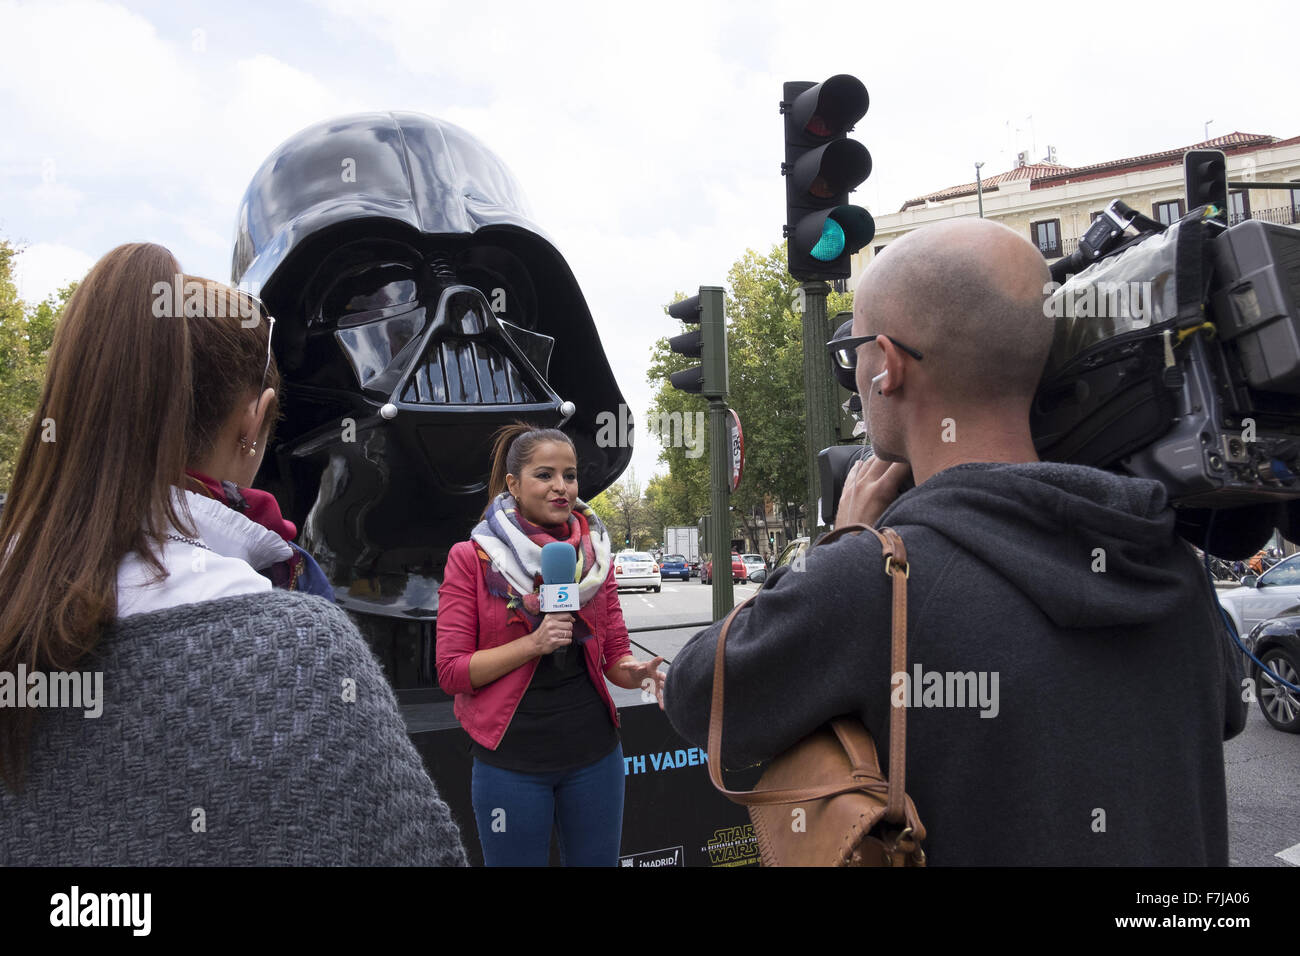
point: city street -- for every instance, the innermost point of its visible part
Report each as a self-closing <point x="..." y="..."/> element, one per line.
<point x="673" y="617"/>
<point x="1263" y="764"/>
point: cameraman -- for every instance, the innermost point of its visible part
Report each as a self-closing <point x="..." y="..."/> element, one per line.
<point x="1069" y="680"/>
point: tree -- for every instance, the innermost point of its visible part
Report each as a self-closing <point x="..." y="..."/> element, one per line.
<point x="659" y="504"/>
<point x="765" y="371"/>
<point x="625" y="514"/>
<point x="606" y="511"/>
<point x="26" y="334"/>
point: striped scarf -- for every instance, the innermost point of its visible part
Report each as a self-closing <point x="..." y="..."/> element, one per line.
<point x="510" y="547"/>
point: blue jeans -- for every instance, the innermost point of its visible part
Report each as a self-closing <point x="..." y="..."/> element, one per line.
<point x="515" y="813"/>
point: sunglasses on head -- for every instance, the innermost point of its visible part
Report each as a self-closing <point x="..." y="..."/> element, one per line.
<point x="270" y="330"/>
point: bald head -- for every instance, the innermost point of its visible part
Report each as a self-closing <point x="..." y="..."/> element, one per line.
<point x="968" y="294"/>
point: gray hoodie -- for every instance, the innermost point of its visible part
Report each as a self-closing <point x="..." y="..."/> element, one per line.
<point x="1069" y="682"/>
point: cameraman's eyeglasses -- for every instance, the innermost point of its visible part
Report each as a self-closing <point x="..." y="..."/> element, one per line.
<point x="845" y="351"/>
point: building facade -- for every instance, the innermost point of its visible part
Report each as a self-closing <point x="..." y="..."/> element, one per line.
<point x="1052" y="204"/>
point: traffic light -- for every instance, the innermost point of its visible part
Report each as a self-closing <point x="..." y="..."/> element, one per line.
<point x="822" y="166"/>
<point x="627" y="541"/>
<point x="709" y="343"/>
<point x="1205" y="172"/>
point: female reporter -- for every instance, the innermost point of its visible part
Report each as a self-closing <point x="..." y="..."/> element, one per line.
<point x="530" y="687"/>
<point x="213" y="718"/>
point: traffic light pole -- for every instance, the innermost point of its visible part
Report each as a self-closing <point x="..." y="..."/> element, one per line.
<point x="822" y="412"/>
<point x="724" y="596"/>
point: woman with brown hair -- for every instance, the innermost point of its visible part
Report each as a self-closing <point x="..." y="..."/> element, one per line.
<point x="530" y="687"/>
<point x="203" y="717"/>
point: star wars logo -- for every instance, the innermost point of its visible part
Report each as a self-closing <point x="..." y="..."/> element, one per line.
<point x="733" y="846"/>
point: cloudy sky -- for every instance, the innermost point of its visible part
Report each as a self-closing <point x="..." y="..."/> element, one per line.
<point x="646" y="137"/>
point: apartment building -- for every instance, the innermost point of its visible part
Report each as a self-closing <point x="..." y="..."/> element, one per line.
<point x="1052" y="204"/>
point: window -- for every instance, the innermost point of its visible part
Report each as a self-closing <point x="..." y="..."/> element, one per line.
<point x="1238" y="206"/>
<point x="1047" y="236"/>
<point x="1167" y="213"/>
<point x="1288" y="572"/>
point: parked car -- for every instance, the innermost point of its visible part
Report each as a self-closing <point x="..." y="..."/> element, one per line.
<point x="738" y="572"/>
<point x="636" y="569"/>
<point x="675" y="566"/>
<point x="1276" y="644"/>
<point x="792" y="552"/>
<point x="695" y="568"/>
<point x="753" y="562"/>
<point x="1271" y="595"/>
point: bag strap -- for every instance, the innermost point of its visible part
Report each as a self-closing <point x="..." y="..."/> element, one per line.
<point x="895" y="556"/>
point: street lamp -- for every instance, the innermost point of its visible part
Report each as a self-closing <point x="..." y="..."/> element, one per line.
<point x="979" y="188"/>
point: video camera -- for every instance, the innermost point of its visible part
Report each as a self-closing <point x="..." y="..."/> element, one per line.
<point x="1176" y="358"/>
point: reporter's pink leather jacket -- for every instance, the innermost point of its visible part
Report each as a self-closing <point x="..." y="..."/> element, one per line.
<point x="470" y="619"/>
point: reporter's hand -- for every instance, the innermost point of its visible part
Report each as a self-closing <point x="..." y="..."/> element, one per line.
<point x="556" y="631"/>
<point x="645" y="674"/>
<point x="870" y="487"/>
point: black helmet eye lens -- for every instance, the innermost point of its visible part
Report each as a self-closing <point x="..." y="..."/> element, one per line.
<point x="371" y="347"/>
<point x="358" y="296"/>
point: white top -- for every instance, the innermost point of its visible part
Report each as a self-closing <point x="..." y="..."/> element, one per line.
<point x="221" y="562"/>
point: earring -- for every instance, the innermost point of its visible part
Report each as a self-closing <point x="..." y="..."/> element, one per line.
<point x="243" y="444"/>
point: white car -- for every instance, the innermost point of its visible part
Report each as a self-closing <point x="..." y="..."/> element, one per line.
<point x="1275" y="593"/>
<point x="637" y="569"/>
<point x="752" y="563"/>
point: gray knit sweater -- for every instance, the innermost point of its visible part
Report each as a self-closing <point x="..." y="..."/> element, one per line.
<point x="249" y="730"/>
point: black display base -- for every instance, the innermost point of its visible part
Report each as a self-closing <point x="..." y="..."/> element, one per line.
<point x="672" y="815"/>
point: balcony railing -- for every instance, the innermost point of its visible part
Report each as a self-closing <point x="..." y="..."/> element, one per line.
<point x="1278" y="215"/>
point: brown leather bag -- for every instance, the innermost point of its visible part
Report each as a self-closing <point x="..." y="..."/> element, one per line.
<point x="851" y="815"/>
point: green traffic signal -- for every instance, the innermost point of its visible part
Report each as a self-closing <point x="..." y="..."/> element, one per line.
<point x="822" y="166"/>
<point x="1205" y="174"/>
<point x="831" y="244"/>
<point x="827" y="236"/>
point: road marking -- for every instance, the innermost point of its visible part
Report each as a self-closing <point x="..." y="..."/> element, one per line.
<point x="1290" y="855"/>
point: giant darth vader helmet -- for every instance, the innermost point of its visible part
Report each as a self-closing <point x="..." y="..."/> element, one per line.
<point x="418" y="309"/>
